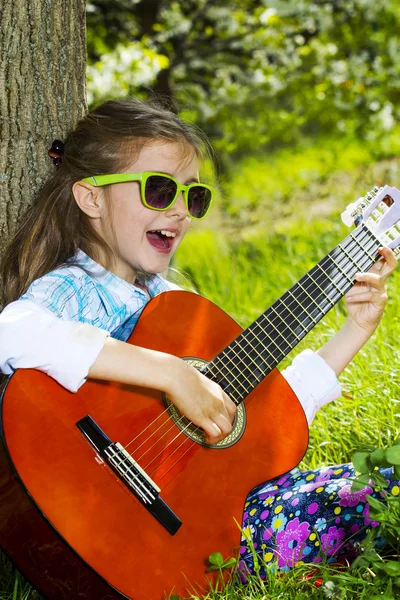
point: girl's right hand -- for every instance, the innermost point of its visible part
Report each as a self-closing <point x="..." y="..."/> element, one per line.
<point x="203" y="402"/>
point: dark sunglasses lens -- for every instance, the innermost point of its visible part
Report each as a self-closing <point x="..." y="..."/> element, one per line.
<point x="159" y="191"/>
<point x="199" y="200"/>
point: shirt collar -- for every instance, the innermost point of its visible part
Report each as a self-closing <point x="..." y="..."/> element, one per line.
<point x="154" y="283"/>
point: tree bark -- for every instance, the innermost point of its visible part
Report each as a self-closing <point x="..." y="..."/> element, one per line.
<point x="42" y="94"/>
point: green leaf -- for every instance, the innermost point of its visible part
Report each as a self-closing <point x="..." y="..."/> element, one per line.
<point x="393" y="455"/>
<point x="376" y="504"/>
<point x="174" y="597"/>
<point x="360" y="462"/>
<point x="397" y="471"/>
<point x="15" y="591"/>
<point x="210" y="569"/>
<point x="380" y="517"/>
<point x="216" y="559"/>
<point x="367" y="448"/>
<point x="357" y="485"/>
<point x="360" y="482"/>
<point x="360" y="561"/>
<point x="370" y="555"/>
<point x="392" y="568"/>
<point x="379" y="479"/>
<point x="230" y="562"/>
<point x="378" y="458"/>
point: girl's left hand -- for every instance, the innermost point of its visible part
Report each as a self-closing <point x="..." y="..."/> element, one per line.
<point x="367" y="298"/>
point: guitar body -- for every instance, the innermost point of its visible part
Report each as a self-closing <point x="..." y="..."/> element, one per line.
<point x="72" y="526"/>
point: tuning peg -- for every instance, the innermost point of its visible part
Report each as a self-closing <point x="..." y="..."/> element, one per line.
<point x="347" y="218"/>
<point x="349" y="214"/>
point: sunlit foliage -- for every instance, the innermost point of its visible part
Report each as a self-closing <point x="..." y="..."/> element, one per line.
<point x="254" y="73"/>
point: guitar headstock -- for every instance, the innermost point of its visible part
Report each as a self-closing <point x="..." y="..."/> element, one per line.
<point x="380" y="210"/>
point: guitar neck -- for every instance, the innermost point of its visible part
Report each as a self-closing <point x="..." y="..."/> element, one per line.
<point x="244" y="363"/>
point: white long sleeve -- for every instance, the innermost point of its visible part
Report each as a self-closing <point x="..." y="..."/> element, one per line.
<point x="31" y="336"/>
<point x="313" y="381"/>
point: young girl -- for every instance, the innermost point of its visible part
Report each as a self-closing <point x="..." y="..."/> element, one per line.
<point x="87" y="259"/>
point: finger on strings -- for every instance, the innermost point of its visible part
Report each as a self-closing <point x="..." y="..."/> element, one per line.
<point x="375" y="280"/>
<point x="377" y="267"/>
<point x="390" y="261"/>
<point x="212" y="431"/>
<point x="223" y="423"/>
<point x="375" y="297"/>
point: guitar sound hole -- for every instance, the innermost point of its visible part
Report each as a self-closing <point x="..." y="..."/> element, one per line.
<point x="196" y="433"/>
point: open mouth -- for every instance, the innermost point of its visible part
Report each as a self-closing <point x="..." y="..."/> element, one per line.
<point x="161" y="239"/>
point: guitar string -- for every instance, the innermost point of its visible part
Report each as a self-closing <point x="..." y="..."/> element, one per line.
<point x="306" y="289"/>
<point x="176" y="449"/>
<point x="191" y="445"/>
<point x="182" y="417"/>
<point x="272" y="322"/>
<point x="313" y="300"/>
<point x="251" y="331"/>
<point x="154" y="458"/>
<point x="188" y="439"/>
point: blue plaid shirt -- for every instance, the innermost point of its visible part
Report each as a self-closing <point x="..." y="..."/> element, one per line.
<point x="88" y="293"/>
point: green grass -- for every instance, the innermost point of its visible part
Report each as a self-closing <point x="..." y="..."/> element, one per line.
<point x="243" y="267"/>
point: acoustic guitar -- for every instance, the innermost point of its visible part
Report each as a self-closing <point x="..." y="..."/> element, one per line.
<point x="110" y="493"/>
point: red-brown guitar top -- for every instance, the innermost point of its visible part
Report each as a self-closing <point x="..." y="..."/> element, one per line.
<point x="71" y="523"/>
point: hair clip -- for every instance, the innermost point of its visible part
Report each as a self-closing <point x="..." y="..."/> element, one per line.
<point x="56" y="151"/>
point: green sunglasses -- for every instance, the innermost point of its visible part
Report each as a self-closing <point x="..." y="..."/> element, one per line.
<point x="159" y="191"/>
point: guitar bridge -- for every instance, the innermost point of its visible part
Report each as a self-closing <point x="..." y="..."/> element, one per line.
<point x="130" y="473"/>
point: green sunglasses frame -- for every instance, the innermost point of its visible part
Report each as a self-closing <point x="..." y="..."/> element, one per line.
<point x="100" y="180"/>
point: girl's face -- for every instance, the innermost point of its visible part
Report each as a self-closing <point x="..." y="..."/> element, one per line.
<point x="135" y="244"/>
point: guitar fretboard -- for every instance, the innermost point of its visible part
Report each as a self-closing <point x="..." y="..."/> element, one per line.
<point x="242" y="365"/>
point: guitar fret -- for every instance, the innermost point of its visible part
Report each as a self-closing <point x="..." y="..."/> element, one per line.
<point x="324" y="299"/>
<point x="341" y="270"/>
<point x="241" y="373"/>
<point x="312" y="299"/>
<point x="233" y="361"/>
<point x="267" y="334"/>
<point x="284" y="322"/>
<point x="348" y="255"/>
<point x="305" y="310"/>
<point x="323" y="291"/>
<point x="258" y="354"/>
<point x="331" y="280"/>
<point x="244" y="362"/>
<point x="358" y="267"/>
<point x="363" y="249"/>
<point x="287" y="308"/>
<point x="261" y="342"/>
<point x="230" y="384"/>
<point x="241" y="361"/>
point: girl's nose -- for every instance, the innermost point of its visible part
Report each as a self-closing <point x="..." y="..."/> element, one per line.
<point x="178" y="208"/>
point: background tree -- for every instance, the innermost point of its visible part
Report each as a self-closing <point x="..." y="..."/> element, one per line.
<point x="254" y="74"/>
<point x="42" y="94"/>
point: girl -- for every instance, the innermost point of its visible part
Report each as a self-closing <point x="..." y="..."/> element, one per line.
<point x="88" y="257"/>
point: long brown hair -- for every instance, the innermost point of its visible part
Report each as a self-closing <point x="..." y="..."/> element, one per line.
<point x="105" y="141"/>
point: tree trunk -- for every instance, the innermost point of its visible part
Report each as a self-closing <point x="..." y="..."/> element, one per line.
<point x="42" y="94"/>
